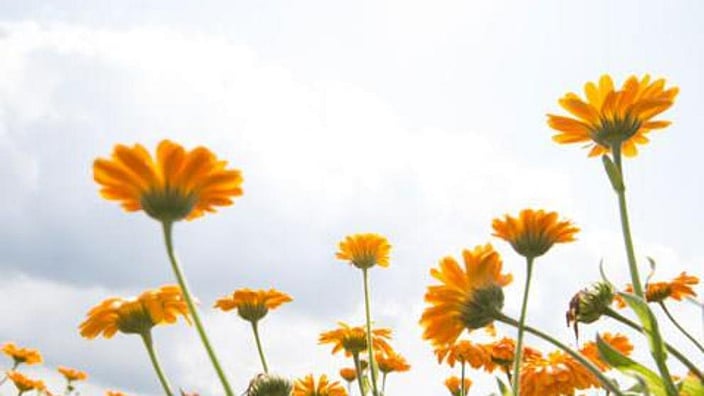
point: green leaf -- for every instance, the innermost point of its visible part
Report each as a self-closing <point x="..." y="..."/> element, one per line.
<point x="649" y="323"/>
<point x="504" y="390"/>
<point x="613" y="173"/>
<point x="630" y="367"/>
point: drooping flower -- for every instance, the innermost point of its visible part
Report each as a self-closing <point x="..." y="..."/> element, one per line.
<point x="554" y="375"/>
<point x="617" y="341"/>
<point x="613" y="116"/>
<point x="72" y="374"/>
<point x="135" y="315"/>
<point x="464" y="351"/>
<point x="19" y="355"/>
<point x="533" y="232"/>
<point x="307" y="387"/>
<point x="365" y="250"/>
<point x="348" y="374"/>
<point x="453" y="385"/>
<point x="24" y="383"/>
<point x="391" y="362"/>
<point x="252" y="305"/>
<point x="589" y="304"/>
<point x="467" y="298"/>
<point x="175" y="185"/>
<point x="677" y="289"/>
<point x="353" y="340"/>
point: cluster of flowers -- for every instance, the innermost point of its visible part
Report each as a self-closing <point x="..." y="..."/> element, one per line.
<point x="177" y="184"/>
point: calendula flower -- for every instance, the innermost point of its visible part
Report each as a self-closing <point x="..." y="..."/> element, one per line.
<point x="307" y="387"/>
<point x="135" y="315"/>
<point x="72" y="374"/>
<point x="502" y="353"/>
<point x="348" y="374"/>
<point x="453" y="385"/>
<point x="464" y="351"/>
<point x="534" y="232"/>
<point x="252" y="305"/>
<point x="391" y="362"/>
<point x="365" y="250"/>
<point x="175" y="184"/>
<point x="19" y="355"/>
<point x="611" y="117"/>
<point x="269" y="385"/>
<point x="24" y="383"/>
<point x="677" y="289"/>
<point x="557" y="374"/>
<point x="467" y="298"/>
<point x="353" y="340"/>
<point x="114" y="393"/>
<point x="617" y="341"/>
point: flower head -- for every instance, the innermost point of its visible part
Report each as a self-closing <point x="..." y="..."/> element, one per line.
<point x="502" y="353"/>
<point x="135" y="315"/>
<point x="353" y="340"/>
<point x="175" y="185"/>
<point x="72" y="374"/>
<point x="613" y="116"/>
<point x="453" y="385"/>
<point x="19" y="355"/>
<point x="348" y="374"/>
<point x="467" y="298"/>
<point x="114" y="393"/>
<point x="617" y="341"/>
<point x="24" y="383"/>
<point x="391" y="362"/>
<point x="365" y="250"/>
<point x="589" y="304"/>
<point x="308" y="387"/>
<point x="252" y="305"/>
<point x="554" y="375"/>
<point x="464" y="351"/>
<point x="269" y="385"/>
<point x="677" y="289"/>
<point x="534" y="232"/>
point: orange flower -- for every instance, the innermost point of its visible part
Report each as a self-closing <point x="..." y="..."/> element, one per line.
<point x="502" y="353"/>
<point x="391" y="362"/>
<point x="19" y="355"/>
<point x="252" y="305"/>
<point x="353" y="340"/>
<point x="365" y="250"/>
<point x="677" y="289"/>
<point x="558" y="374"/>
<point x="24" y="383"/>
<point x="72" y="374"/>
<point x="611" y="117"/>
<point x="135" y="315"/>
<point x="465" y="351"/>
<point x="466" y="298"/>
<point x="176" y="185"/>
<point x="307" y="387"/>
<point x="114" y="393"/>
<point x="348" y="374"/>
<point x="534" y="232"/>
<point x="453" y="385"/>
<point x="617" y="341"/>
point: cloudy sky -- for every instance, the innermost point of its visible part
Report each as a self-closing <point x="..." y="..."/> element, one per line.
<point x="415" y="119"/>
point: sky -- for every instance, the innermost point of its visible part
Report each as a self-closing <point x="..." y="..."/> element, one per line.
<point x="421" y="121"/>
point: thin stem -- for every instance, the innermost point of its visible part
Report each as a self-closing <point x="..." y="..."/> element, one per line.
<point x="167" y="226"/>
<point x="608" y="384"/>
<point x="358" y="367"/>
<point x="259" y="346"/>
<point x="349" y="387"/>
<point x="462" y="391"/>
<point x="370" y="349"/>
<point x="383" y="384"/>
<point x="149" y="344"/>
<point x="672" y="319"/>
<point x="677" y="354"/>
<point x="14" y="367"/>
<point x="519" y="343"/>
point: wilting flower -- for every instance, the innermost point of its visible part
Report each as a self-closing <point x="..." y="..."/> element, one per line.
<point x="365" y="250"/>
<point x="467" y="298"/>
<point x="589" y="304"/>
<point x="617" y="341"/>
<point x="307" y="387"/>
<point x="612" y="117"/>
<point x="554" y="375"/>
<point x="677" y="289"/>
<point x="72" y="374"/>
<point x="391" y="362"/>
<point x="252" y="305"/>
<point x="453" y="385"/>
<point x="348" y="374"/>
<point x="175" y="185"/>
<point x="534" y="232"/>
<point x="464" y="351"/>
<point x="353" y="340"/>
<point x="135" y="315"/>
<point x="19" y="355"/>
<point x="24" y="383"/>
<point x="269" y="385"/>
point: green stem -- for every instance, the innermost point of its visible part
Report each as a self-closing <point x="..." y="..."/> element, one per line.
<point x="383" y="384"/>
<point x="358" y="367"/>
<point x="608" y="384"/>
<point x="259" y="347"/>
<point x="680" y="328"/>
<point x="519" y="343"/>
<point x="370" y="349"/>
<point x="462" y="390"/>
<point x="149" y="344"/>
<point x="677" y="354"/>
<point x="167" y="226"/>
<point x="14" y="367"/>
